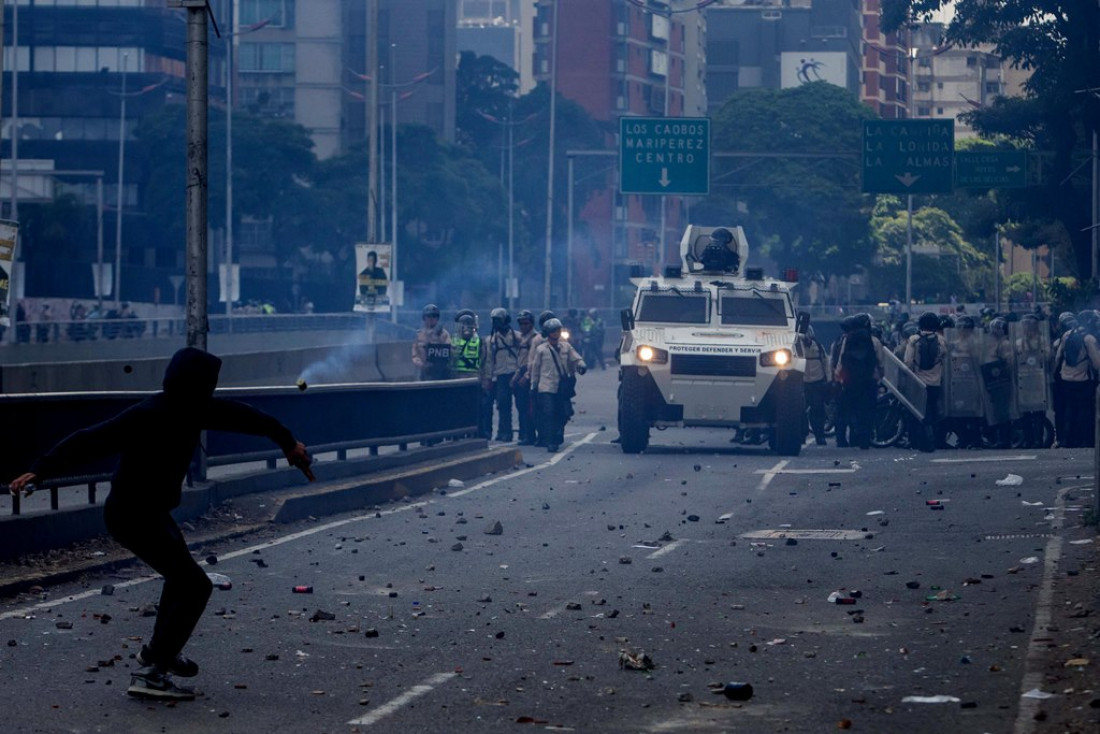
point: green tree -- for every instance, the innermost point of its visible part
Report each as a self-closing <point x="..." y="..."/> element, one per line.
<point x="957" y="268"/>
<point x="1058" y="41"/>
<point x="273" y="164"/>
<point x="804" y="212"/>
<point x="485" y="90"/>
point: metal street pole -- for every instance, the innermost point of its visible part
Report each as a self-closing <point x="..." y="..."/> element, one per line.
<point x="197" y="179"/>
<point x="909" y="253"/>
<point x="511" y="212"/>
<point x="229" y="276"/>
<point x="372" y="120"/>
<point x="99" y="242"/>
<point x="550" y="159"/>
<point x="15" y="110"/>
<point x="569" y="238"/>
<point x="121" y="185"/>
<point x="393" y="197"/>
<point x="663" y="256"/>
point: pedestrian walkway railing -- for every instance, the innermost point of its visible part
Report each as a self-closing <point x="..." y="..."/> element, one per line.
<point x="327" y="418"/>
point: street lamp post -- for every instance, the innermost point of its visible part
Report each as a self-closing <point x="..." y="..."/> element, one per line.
<point x="550" y="158"/>
<point x="119" y="197"/>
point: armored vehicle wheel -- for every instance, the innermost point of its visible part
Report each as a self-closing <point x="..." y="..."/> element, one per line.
<point x="790" y="407"/>
<point x="633" y="424"/>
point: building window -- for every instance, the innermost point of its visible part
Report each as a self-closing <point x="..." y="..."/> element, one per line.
<point x="924" y="111"/>
<point x="939" y="85"/>
<point x="924" y="86"/>
<point x="971" y="61"/>
<point x="266" y="57"/>
<point x="939" y="110"/>
<point x="278" y="13"/>
<point x="658" y="63"/>
<point x="925" y="62"/>
<point x="268" y="101"/>
<point x="992" y="87"/>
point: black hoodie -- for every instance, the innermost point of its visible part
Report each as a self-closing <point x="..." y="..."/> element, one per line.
<point x="156" y="439"/>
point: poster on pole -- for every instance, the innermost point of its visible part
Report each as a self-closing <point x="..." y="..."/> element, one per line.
<point x="9" y="237"/>
<point x="372" y="280"/>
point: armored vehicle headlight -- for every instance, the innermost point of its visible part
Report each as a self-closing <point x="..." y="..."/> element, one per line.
<point x="565" y="334"/>
<point x="778" y="358"/>
<point x="652" y="355"/>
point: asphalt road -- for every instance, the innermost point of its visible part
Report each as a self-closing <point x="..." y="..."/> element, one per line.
<point x="714" y="562"/>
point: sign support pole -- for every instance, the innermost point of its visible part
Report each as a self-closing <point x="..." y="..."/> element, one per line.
<point x="909" y="253"/>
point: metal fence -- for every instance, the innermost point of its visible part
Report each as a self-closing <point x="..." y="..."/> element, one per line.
<point x="330" y="418"/>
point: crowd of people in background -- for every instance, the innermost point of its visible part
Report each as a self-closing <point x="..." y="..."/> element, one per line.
<point x="988" y="379"/>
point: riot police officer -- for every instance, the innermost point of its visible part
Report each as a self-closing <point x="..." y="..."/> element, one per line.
<point x="521" y="380"/>
<point x="924" y="355"/>
<point x="431" y="352"/>
<point x="470" y="358"/>
<point x="554" y="367"/>
<point x="504" y="348"/>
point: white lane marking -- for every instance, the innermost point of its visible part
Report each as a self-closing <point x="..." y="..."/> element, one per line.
<point x="769" y="474"/>
<point x="17" y="613"/>
<point x="1033" y="673"/>
<point x="808" y="471"/>
<point x="666" y="549"/>
<point x="560" y="456"/>
<point x="407" y="697"/>
<point x="976" y="459"/>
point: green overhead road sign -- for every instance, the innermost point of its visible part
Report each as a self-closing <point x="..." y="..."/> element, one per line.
<point x="908" y="156"/>
<point x="664" y="155"/>
<point x="991" y="169"/>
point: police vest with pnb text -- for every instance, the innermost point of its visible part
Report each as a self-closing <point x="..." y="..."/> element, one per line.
<point x="468" y="355"/>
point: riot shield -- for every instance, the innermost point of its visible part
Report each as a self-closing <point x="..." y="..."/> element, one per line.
<point x="998" y="384"/>
<point x="1031" y="347"/>
<point x="905" y="385"/>
<point x="962" y="389"/>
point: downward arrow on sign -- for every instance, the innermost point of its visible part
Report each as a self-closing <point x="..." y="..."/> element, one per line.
<point x="664" y="180"/>
<point x="908" y="179"/>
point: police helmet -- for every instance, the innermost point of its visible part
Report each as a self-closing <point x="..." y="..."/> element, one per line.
<point x="501" y="318"/>
<point x="947" y="321"/>
<point x="998" y="327"/>
<point x="928" y="321"/>
<point x="862" y="321"/>
<point x="545" y="316"/>
<point x="722" y="236"/>
<point x="466" y="321"/>
<point x="550" y="326"/>
<point x="592" y="312"/>
<point x="1087" y="319"/>
<point x="466" y="312"/>
<point x="964" y="322"/>
<point x="525" y="315"/>
<point x="431" y="310"/>
<point x="909" y="329"/>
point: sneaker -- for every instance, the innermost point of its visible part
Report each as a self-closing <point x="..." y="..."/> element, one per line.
<point x="181" y="666"/>
<point x="553" y="448"/>
<point x="153" y="683"/>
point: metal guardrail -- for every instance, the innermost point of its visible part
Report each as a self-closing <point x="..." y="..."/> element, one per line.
<point x="328" y="418"/>
<point x="110" y="329"/>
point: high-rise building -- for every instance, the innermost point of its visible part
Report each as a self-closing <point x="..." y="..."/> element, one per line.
<point x="886" y="66"/>
<point x="948" y="81"/>
<point x="72" y="59"/>
<point x="617" y="58"/>
<point x="502" y="29"/>
<point x="778" y="44"/>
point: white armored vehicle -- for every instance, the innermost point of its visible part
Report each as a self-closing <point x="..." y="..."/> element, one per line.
<point x="715" y="344"/>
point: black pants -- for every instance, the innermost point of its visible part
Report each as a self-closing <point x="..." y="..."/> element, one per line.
<point x="858" y="399"/>
<point x="928" y="433"/>
<point x="157" y="540"/>
<point x="502" y="387"/>
<point x="524" y="409"/>
<point x="816" y="395"/>
<point x="1080" y="406"/>
<point x="552" y="422"/>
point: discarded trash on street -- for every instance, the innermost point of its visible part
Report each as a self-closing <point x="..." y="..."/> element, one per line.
<point x="1012" y="480"/>
<point x="220" y="580"/>
<point x="930" y="699"/>
<point x="635" y="661"/>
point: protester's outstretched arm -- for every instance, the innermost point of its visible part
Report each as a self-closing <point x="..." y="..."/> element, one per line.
<point x="238" y="417"/>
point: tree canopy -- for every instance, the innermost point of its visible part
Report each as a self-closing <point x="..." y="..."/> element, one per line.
<point x="1058" y="41"/>
<point x="804" y="212"/>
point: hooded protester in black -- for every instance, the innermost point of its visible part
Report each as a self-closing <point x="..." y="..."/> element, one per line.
<point x="155" y="441"/>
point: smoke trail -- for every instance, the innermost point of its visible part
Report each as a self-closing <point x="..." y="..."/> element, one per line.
<point x="339" y="366"/>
